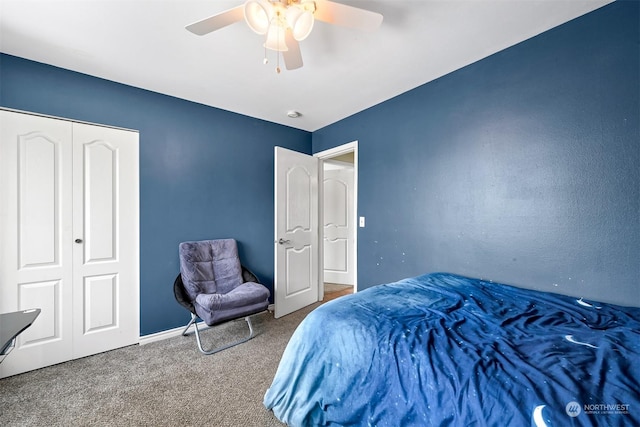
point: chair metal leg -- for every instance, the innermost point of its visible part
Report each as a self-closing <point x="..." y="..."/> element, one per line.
<point x="216" y="350"/>
<point x="191" y="322"/>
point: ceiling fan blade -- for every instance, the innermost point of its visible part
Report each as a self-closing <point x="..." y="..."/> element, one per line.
<point x="216" y="22"/>
<point x="293" y="56"/>
<point x="347" y="16"/>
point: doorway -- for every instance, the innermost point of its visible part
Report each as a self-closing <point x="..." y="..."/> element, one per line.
<point x="338" y="210"/>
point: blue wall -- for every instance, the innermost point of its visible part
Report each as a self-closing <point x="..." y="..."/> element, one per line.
<point x="204" y="172"/>
<point x="521" y="168"/>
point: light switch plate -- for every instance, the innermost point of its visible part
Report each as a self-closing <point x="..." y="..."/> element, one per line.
<point x="361" y="222"/>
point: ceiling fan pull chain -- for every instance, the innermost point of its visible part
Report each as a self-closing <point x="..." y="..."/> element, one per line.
<point x="278" y="53"/>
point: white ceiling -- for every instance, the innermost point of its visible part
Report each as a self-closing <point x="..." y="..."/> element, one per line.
<point x="143" y="43"/>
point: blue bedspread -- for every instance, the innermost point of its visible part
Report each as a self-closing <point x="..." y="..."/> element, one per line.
<point x="444" y="350"/>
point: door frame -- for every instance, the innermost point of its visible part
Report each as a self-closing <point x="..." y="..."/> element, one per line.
<point x="350" y="147"/>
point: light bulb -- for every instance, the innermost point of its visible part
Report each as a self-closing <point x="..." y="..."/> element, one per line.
<point x="300" y="21"/>
<point x="275" y="39"/>
<point x="258" y="14"/>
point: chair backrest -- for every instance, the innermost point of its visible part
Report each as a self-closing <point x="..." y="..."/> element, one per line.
<point x="210" y="266"/>
<point x="181" y="294"/>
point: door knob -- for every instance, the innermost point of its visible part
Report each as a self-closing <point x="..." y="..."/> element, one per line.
<point x="283" y="242"/>
<point x="78" y="240"/>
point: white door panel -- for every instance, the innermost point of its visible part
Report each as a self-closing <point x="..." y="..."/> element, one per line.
<point x="100" y="173"/>
<point x="35" y="220"/>
<point x="100" y="303"/>
<point x="339" y="220"/>
<point x="296" y="231"/>
<point x="106" y="259"/>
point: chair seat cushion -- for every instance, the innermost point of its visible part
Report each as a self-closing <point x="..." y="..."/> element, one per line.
<point x="247" y="298"/>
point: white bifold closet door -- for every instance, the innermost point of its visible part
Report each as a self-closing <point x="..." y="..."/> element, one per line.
<point x="69" y="237"/>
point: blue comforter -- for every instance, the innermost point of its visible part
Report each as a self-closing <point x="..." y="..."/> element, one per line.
<point x="444" y="350"/>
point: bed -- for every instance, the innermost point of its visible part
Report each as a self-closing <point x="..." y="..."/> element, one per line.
<point x="446" y="350"/>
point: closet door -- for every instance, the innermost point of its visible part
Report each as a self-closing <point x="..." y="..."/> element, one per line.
<point x="69" y="237"/>
<point x="105" y="239"/>
<point x="35" y="235"/>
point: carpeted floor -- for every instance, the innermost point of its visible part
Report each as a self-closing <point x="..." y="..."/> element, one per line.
<point x="165" y="383"/>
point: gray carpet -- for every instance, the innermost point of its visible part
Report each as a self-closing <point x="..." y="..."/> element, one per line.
<point x="165" y="383"/>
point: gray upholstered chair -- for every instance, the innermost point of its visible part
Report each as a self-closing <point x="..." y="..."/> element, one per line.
<point x="215" y="287"/>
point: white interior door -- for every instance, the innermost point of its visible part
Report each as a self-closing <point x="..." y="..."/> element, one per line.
<point x="296" y="231"/>
<point x="346" y="153"/>
<point x="60" y="182"/>
<point x="35" y="228"/>
<point x="105" y="234"/>
<point x="338" y="224"/>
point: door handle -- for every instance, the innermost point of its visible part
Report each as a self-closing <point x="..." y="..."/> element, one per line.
<point x="78" y="240"/>
<point x="283" y="242"/>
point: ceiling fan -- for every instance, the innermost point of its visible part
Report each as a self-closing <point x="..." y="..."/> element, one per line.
<point x="286" y="22"/>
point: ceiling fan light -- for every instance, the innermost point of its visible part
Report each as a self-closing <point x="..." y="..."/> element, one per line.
<point x="275" y="39"/>
<point x="258" y="14"/>
<point x="300" y="21"/>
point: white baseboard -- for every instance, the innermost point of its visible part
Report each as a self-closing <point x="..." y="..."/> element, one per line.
<point x="170" y="333"/>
